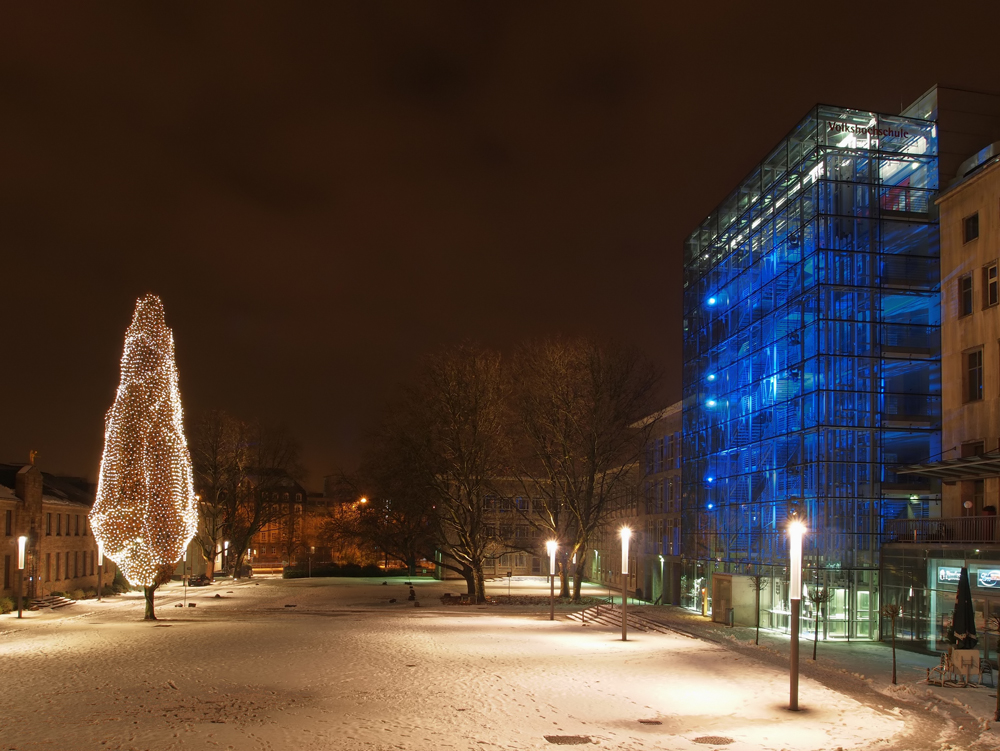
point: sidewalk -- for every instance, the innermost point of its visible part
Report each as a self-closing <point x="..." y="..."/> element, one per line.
<point x="867" y="661"/>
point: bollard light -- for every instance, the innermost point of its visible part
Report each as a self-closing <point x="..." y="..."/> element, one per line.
<point x="626" y="535"/>
<point x="100" y="570"/>
<point x="551" y="546"/>
<point x="22" y="541"/>
<point x="796" y="531"/>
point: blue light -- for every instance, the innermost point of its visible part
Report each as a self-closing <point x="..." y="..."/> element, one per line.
<point x="710" y="403"/>
<point x="712" y="301"/>
<point x="711" y="376"/>
<point x="711" y="506"/>
<point x="709" y="479"/>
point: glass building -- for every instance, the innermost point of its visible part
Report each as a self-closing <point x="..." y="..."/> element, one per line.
<point x="812" y="365"/>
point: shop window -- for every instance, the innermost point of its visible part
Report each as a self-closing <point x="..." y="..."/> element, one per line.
<point x="965" y="295"/>
<point x="974" y="376"/>
<point x="970" y="227"/>
<point x="991" y="292"/>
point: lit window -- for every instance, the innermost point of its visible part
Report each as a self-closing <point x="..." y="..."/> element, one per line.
<point x="970" y="227"/>
<point x="990" y="289"/>
<point x="965" y="295"/>
<point x="974" y="375"/>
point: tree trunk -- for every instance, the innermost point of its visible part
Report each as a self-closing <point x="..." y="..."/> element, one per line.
<point x="577" y="581"/>
<point x="756" y="639"/>
<point x="816" y="631"/>
<point x="149" y="593"/>
<point x="480" y="580"/>
<point x="470" y="581"/>
<point x="564" y="578"/>
<point x="893" y="651"/>
<point x="411" y="565"/>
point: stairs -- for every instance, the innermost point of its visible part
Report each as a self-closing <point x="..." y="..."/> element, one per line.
<point x="609" y="614"/>
<point x="52" y="601"/>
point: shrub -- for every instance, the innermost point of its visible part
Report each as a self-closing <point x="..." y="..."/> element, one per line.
<point x="76" y="594"/>
<point x="89" y="593"/>
<point x="57" y="593"/>
<point x="108" y="591"/>
<point x="6" y="605"/>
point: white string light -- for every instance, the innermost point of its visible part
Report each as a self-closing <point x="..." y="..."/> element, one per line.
<point x="146" y="512"/>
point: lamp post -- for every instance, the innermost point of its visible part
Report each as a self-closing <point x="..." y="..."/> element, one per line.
<point x="551" y="546"/>
<point x="100" y="570"/>
<point x="225" y="556"/>
<point x="21" y="542"/>
<point x="626" y="534"/>
<point x="796" y="530"/>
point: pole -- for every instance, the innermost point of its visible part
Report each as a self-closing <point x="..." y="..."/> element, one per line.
<point x="21" y="542"/>
<point x="100" y="571"/>
<point x="795" y="531"/>
<point x="626" y="533"/>
<point x="552" y="545"/>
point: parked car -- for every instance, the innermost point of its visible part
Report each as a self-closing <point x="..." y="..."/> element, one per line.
<point x="199" y="581"/>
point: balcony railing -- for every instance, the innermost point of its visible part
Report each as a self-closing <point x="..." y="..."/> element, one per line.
<point x="958" y="529"/>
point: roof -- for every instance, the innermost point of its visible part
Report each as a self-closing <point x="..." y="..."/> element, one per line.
<point x="963" y="468"/>
<point x="55" y="489"/>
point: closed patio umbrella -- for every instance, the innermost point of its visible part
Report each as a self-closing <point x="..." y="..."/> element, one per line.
<point x="964" y="619"/>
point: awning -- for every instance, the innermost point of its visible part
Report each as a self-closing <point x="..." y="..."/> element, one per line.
<point x="963" y="468"/>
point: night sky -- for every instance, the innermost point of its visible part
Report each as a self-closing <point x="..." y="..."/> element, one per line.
<point x="322" y="194"/>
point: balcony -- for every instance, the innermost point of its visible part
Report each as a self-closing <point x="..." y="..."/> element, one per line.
<point x="962" y="529"/>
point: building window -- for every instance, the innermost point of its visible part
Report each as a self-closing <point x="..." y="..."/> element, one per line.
<point x="77" y="525"/>
<point x="991" y="292"/>
<point x="58" y="566"/>
<point x="8" y="522"/>
<point x="58" y="524"/>
<point x="974" y="376"/>
<point x="965" y="295"/>
<point x="48" y="567"/>
<point x="48" y="524"/>
<point x="970" y="227"/>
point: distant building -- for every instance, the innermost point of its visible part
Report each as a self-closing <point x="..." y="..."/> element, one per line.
<point x="283" y="540"/>
<point x="61" y="553"/>
<point x="925" y="551"/>
<point x="650" y="505"/>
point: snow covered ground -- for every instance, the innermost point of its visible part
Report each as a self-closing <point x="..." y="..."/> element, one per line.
<point x="347" y="669"/>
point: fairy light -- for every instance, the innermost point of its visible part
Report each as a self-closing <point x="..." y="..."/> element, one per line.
<point x="146" y="512"/>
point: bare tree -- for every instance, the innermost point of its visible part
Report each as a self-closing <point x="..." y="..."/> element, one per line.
<point x="892" y="611"/>
<point x="214" y="450"/>
<point x="454" y="440"/>
<point x="580" y="407"/>
<point x="759" y="583"/>
<point x="267" y="460"/>
<point x="818" y="596"/>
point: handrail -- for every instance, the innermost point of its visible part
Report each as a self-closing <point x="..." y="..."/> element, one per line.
<point x="945" y="529"/>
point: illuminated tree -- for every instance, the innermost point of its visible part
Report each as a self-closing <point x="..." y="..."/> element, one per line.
<point x="146" y="511"/>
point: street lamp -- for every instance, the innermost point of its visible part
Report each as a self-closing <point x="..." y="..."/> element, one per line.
<point x="225" y="556"/>
<point x="100" y="569"/>
<point x="551" y="546"/>
<point x="626" y="534"/>
<point x="796" y="530"/>
<point x="21" y="542"/>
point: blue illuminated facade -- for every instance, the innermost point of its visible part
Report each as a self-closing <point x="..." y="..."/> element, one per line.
<point x="812" y="362"/>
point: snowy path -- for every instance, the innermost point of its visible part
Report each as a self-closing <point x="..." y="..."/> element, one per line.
<point x="346" y="670"/>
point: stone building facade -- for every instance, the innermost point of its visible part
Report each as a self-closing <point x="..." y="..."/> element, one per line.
<point x="51" y="511"/>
